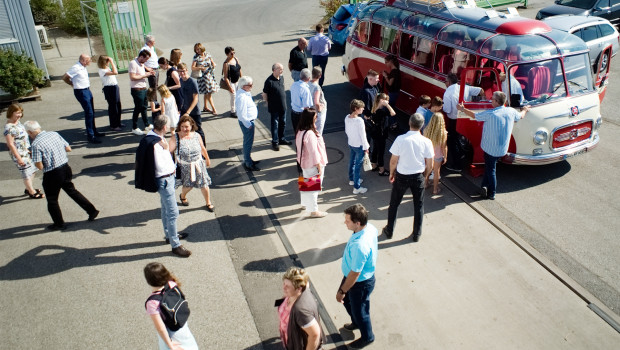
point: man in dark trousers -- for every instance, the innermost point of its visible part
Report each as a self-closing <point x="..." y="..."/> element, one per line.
<point x="411" y="163"/>
<point x="274" y="93"/>
<point x="49" y="153"/>
<point x="358" y="267"/>
<point x="155" y="172"/>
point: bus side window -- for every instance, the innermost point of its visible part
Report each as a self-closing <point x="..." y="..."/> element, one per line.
<point x="423" y="54"/>
<point x="443" y="59"/>
<point x="390" y="40"/>
<point x="361" y="32"/>
<point x="375" y="35"/>
<point x="407" y="46"/>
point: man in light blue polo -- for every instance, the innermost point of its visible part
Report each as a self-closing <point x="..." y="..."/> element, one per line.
<point x="498" y="123"/>
<point x="319" y="46"/>
<point x="358" y="267"/>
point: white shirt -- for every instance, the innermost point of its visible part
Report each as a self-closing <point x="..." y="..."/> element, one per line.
<point x="152" y="62"/>
<point x="107" y="80"/>
<point x="412" y="150"/>
<point x="246" y="108"/>
<point x="137" y="68"/>
<point x="164" y="164"/>
<point x="79" y="76"/>
<point x="356" y="132"/>
<point x="515" y="88"/>
<point x="451" y="98"/>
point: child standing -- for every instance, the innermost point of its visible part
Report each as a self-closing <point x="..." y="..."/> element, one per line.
<point x="151" y="96"/>
<point x="436" y="104"/>
<point x="157" y="276"/>
<point x="358" y="144"/>
<point x="424" y="109"/>
<point x="169" y="107"/>
<point x="436" y="132"/>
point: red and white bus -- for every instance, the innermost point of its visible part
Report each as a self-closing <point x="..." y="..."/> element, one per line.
<point x="432" y="39"/>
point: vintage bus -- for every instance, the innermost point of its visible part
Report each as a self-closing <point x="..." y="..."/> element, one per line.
<point x="432" y="39"/>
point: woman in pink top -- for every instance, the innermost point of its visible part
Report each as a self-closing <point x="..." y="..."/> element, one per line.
<point x="157" y="276"/>
<point x="312" y="161"/>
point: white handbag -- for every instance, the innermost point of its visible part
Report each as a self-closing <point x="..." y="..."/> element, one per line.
<point x="366" y="163"/>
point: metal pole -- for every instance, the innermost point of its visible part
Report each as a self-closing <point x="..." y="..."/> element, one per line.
<point x="90" y="46"/>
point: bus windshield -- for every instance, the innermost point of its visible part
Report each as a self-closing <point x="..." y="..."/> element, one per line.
<point x="581" y="4"/>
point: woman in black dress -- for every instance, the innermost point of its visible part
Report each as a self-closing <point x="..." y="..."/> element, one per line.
<point x="231" y="70"/>
<point x="173" y="82"/>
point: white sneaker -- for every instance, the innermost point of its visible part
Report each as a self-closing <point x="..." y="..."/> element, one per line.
<point x="150" y="127"/>
<point x="360" y="190"/>
<point x="351" y="182"/>
<point x="137" y="131"/>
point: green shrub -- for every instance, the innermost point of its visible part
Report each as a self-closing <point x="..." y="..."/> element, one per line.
<point x="72" y="20"/>
<point x="18" y="73"/>
<point x="127" y="47"/>
<point x="45" y="11"/>
<point x="331" y="6"/>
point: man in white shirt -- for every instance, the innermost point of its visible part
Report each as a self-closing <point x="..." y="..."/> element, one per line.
<point x="515" y="88"/>
<point x="77" y="76"/>
<point x="301" y="98"/>
<point x="151" y="63"/>
<point x="411" y="162"/>
<point x="450" y="102"/>
<point x="246" y="114"/>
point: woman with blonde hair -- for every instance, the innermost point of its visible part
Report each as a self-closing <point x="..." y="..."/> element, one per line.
<point x="300" y="326"/>
<point x="203" y="65"/>
<point x="19" y="148"/>
<point x="169" y="107"/>
<point x="436" y="132"/>
<point x="108" y="73"/>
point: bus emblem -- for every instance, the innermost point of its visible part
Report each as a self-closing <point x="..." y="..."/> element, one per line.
<point x="574" y="111"/>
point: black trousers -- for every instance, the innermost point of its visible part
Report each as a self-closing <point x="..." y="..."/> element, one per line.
<point x="401" y="183"/>
<point x="295" y="117"/>
<point x="55" y="180"/>
<point x="113" y="97"/>
<point x="454" y="153"/>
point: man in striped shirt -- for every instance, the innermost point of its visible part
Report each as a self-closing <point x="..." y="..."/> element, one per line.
<point x="498" y="123"/>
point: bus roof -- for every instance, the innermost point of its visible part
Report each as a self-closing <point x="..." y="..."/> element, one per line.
<point x="476" y="17"/>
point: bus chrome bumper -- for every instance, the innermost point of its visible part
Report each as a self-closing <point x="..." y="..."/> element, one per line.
<point x="520" y="159"/>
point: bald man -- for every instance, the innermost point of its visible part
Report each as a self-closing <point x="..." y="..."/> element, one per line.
<point x="298" y="59"/>
<point x="77" y="76"/>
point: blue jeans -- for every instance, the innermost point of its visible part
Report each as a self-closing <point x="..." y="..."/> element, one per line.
<point x="401" y="184"/>
<point x="85" y="98"/>
<point x="355" y="165"/>
<point x="248" y="141"/>
<point x="357" y="304"/>
<point x="295" y="75"/>
<point x="488" y="179"/>
<point x="278" y="125"/>
<point x="169" y="209"/>
<point x="320" y="61"/>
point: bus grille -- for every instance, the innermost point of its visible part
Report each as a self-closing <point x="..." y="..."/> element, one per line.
<point x="571" y="134"/>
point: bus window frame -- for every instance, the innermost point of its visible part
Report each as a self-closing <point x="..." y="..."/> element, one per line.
<point x="485" y="104"/>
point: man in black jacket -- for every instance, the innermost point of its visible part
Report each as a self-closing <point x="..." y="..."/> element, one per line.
<point x="155" y="172"/>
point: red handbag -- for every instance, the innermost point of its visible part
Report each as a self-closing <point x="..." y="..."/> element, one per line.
<point x="309" y="184"/>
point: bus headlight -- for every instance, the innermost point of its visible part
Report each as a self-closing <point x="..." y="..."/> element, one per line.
<point x="540" y="137"/>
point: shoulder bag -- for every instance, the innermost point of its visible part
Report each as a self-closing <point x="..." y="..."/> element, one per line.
<point x="306" y="184"/>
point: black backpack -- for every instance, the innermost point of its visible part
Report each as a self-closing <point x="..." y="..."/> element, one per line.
<point x="173" y="307"/>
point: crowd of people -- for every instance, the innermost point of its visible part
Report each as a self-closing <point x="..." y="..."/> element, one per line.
<point x="164" y="164"/>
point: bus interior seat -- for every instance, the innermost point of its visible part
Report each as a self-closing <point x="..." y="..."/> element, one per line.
<point x="539" y="80"/>
<point x="445" y="64"/>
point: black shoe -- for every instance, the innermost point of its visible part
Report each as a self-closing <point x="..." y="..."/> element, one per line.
<point x="94" y="140"/>
<point x="388" y="234"/>
<point x="181" y="251"/>
<point x="99" y="134"/>
<point x="350" y="326"/>
<point x="256" y="162"/>
<point x="285" y="142"/>
<point x="275" y="147"/>
<point x="54" y="227"/>
<point x="233" y="115"/>
<point x="360" y="343"/>
<point x="92" y="216"/>
<point x="181" y="235"/>
<point x="484" y="192"/>
<point x="416" y="238"/>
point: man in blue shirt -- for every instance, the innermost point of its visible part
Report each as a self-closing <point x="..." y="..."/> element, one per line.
<point x="358" y="267"/>
<point x="319" y="46"/>
<point x="498" y="123"/>
<point x="301" y="98"/>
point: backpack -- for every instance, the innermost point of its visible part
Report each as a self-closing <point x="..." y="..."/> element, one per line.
<point x="173" y="307"/>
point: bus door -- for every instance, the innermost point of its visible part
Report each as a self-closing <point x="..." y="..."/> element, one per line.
<point x="602" y="72"/>
<point x="486" y="80"/>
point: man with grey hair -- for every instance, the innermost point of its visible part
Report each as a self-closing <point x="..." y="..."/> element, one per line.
<point x="496" y="131"/>
<point x="155" y="172"/>
<point x="246" y="114"/>
<point x="301" y="98"/>
<point x="77" y="77"/>
<point x="49" y="153"/>
<point x="298" y="59"/>
<point x="151" y="63"/>
<point x="411" y="162"/>
<point x="274" y="93"/>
